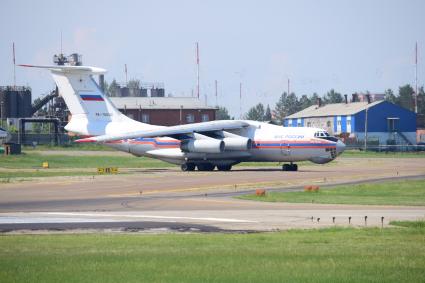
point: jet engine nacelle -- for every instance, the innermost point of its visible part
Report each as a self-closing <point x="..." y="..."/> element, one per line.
<point x="202" y="146"/>
<point x="237" y="143"/>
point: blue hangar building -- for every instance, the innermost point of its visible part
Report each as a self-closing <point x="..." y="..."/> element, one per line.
<point x="381" y="121"/>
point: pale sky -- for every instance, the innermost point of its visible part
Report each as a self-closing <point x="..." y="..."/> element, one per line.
<point x="351" y="46"/>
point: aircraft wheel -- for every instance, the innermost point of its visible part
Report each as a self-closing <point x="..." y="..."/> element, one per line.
<point x="289" y="167"/>
<point x="187" y="167"/>
<point x="205" y="167"/>
<point x="224" y="167"/>
<point x="210" y="167"/>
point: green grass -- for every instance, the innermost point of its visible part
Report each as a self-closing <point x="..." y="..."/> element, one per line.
<point x="409" y="192"/>
<point x="328" y="255"/>
<point x="409" y="224"/>
<point x="35" y="160"/>
<point x="4" y="176"/>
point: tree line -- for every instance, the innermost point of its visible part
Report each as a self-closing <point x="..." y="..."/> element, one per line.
<point x="290" y="103"/>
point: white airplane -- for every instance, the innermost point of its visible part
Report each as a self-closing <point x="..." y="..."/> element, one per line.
<point x="204" y="146"/>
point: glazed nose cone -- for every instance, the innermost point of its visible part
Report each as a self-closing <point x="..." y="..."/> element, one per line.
<point x="340" y="147"/>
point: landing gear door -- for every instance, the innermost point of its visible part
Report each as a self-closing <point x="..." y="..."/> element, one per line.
<point x="285" y="148"/>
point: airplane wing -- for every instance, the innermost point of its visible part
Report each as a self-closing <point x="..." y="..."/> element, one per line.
<point x="173" y="131"/>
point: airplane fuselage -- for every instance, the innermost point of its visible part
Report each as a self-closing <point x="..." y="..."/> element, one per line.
<point x="270" y="143"/>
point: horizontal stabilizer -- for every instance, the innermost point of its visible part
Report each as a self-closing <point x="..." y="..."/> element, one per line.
<point x="69" y="69"/>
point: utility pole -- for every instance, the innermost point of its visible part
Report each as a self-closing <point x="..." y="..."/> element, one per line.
<point x="240" y="100"/>
<point x="365" y="130"/>
<point x="61" y="43"/>
<point x="216" y="97"/>
<point x="125" y="70"/>
<point x="14" y="67"/>
<point x="197" y="69"/>
<point x="288" y="86"/>
<point x="416" y="77"/>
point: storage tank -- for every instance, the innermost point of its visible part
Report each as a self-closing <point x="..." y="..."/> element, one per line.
<point x="24" y="103"/>
<point x="143" y="92"/>
<point x="124" y="91"/>
<point x="13" y="103"/>
<point x="4" y="103"/>
<point x="157" y="92"/>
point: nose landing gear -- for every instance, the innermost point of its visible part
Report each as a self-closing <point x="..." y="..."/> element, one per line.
<point x="290" y="167"/>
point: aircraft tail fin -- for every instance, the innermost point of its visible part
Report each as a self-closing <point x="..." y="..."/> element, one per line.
<point x="92" y="111"/>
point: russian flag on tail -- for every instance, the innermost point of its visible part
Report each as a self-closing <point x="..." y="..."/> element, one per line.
<point x="91" y="97"/>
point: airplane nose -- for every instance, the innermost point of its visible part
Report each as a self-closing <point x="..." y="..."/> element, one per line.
<point x="340" y="147"/>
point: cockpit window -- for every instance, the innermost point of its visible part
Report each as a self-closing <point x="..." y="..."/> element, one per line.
<point x="321" y="134"/>
<point x="325" y="135"/>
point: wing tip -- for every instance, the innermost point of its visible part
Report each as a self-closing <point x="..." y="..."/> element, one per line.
<point x="26" y="65"/>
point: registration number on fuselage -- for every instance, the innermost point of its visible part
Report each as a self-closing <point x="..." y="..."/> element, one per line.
<point x="297" y="137"/>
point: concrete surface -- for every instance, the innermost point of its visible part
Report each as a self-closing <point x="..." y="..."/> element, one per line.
<point x="168" y="198"/>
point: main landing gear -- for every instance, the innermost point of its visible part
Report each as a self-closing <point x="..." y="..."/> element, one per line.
<point x="290" y="167"/>
<point x="187" y="167"/>
<point x="224" y="167"/>
<point x="204" y="167"/>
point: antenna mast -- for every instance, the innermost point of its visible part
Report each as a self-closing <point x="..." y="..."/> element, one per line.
<point x="216" y="96"/>
<point x="416" y="77"/>
<point x="288" y="86"/>
<point x="14" y="67"/>
<point x="197" y="69"/>
<point x="240" y="99"/>
<point x="125" y="70"/>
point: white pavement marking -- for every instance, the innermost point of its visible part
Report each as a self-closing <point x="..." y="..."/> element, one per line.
<point x="36" y="220"/>
<point x="149" y="216"/>
<point x="41" y="217"/>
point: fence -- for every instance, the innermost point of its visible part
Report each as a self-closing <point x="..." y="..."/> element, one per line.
<point x="43" y="139"/>
<point x="386" y="148"/>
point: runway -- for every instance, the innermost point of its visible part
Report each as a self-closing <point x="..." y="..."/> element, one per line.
<point x="170" y="200"/>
